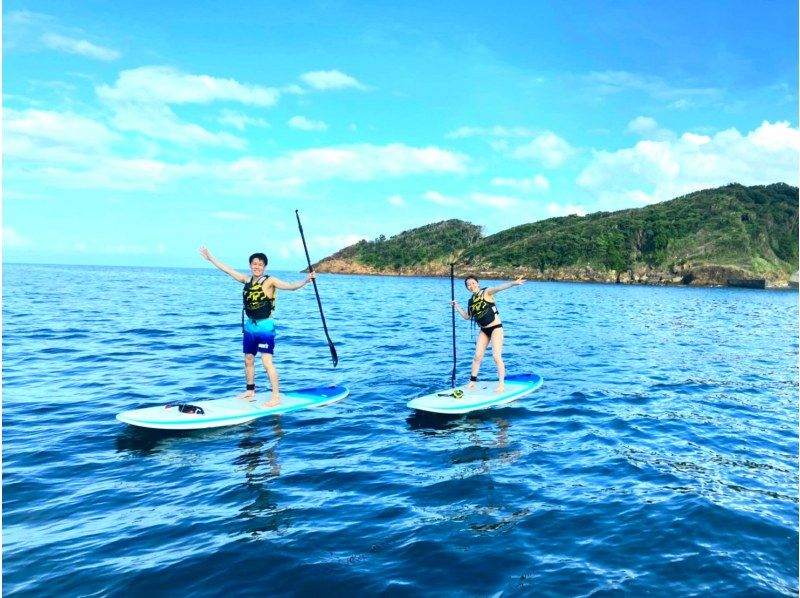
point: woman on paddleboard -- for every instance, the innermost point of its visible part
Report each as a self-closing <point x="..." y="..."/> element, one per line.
<point x="258" y="327"/>
<point x="483" y="310"/>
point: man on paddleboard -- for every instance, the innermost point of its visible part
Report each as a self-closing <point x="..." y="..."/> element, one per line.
<point x="258" y="327"/>
<point x="483" y="310"/>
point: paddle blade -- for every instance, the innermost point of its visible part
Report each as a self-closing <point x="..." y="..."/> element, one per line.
<point x="334" y="356"/>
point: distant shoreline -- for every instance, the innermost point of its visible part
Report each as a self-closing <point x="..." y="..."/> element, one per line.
<point x="752" y="284"/>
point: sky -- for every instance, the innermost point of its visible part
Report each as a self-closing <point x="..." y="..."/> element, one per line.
<point x="135" y="132"/>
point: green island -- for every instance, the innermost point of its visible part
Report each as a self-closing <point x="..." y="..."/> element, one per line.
<point x="732" y="235"/>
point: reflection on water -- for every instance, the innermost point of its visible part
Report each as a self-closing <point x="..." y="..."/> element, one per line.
<point x="259" y="463"/>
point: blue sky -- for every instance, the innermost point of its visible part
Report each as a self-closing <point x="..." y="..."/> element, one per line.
<point x="134" y="132"/>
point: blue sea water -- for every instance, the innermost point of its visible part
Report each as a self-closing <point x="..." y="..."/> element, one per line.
<point x="659" y="458"/>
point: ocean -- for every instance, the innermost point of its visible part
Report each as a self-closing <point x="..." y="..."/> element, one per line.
<point x="659" y="458"/>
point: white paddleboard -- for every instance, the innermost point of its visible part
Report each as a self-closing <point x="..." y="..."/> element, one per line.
<point x="215" y="413"/>
<point x="482" y="396"/>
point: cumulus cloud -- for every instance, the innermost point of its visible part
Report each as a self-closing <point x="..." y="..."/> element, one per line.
<point x="165" y="84"/>
<point x="113" y="174"/>
<point x="496" y="131"/>
<point x="320" y="245"/>
<point x="240" y="121"/>
<point x="79" y="46"/>
<point x="326" y="80"/>
<point x="555" y="209"/>
<point x="547" y="148"/>
<point x="610" y="82"/>
<point x="61" y="128"/>
<point x="654" y="170"/>
<point x="501" y="202"/>
<point x="158" y="121"/>
<point x="358" y="162"/>
<point x="440" y="199"/>
<point x="526" y="185"/>
<point x="45" y="136"/>
<point x="12" y="239"/>
<point x="645" y="126"/>
<point x="141" y="99"/>
<point x="304" y="124"/>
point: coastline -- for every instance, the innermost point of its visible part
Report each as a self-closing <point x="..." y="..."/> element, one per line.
<point x="686" y="276"/>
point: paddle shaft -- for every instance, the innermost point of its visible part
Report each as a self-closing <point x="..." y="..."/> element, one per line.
<point x="453" y="314"/>
<point x="334" y="357"/>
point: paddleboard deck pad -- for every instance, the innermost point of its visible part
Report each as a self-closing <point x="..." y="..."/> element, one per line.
<point x="196" y="415"/>
<point x="482" y="396"/>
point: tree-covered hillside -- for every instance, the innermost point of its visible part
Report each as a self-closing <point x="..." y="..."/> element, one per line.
<point x="437" y="242"/>
<point x="752" y="228"/>
<point x="737" y="231"/>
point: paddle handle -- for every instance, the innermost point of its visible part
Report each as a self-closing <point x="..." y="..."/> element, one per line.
<point x="334" y="356"/>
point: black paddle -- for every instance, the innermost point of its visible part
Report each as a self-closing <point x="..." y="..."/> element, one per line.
<point x="453" y="298"/>
<point x="316" y="292"/>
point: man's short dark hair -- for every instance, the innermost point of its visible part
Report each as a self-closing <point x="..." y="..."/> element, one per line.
<point x="472" y="276"/>
<point x="260" y="256"/>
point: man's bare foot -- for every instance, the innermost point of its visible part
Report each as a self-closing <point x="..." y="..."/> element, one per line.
<point x="500" y="388"/>
<point x="471" y="385"/>
<point x="273" y="402"/>
<point x="247" y="394"/>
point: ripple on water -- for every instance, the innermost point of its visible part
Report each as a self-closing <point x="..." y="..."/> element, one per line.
<point x="659" y="457"/>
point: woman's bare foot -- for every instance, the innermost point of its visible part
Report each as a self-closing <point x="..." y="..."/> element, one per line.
<point x="274" y="401"/>
<point x="471" y="385"/>
<point x="500" y="387"/>
<point x="248" y="394"/>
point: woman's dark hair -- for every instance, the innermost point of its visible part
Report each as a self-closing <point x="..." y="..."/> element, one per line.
<point x="259" y="256"/>
<point x="468" y="277"/>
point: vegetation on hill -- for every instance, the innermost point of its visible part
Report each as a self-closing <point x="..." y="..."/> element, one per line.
<point x="437" y="242"/>
<point x="752" y="228"/>
<point x="752" y="231"/>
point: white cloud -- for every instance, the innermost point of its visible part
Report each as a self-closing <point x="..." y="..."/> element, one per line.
<point x="72" y="151"/>
<point x="62" y="128"/>
<point x="165" y="84"/>
<point x="440" y="199"/>
<point x="112" y="174"/>
<point x="610" y="82"/>
<point x="526" y="185"/>
<point x="129" y="249"/>
<point x="642" y="125"/>
<point x="158" y="121"/>
<point x="654" y="171"/>
<point x="396" y="200"/>
<point x="645" y="126"/>
<point x="322" y="245"/>
<point x="325" y="80"/>
<point x="555" y="209"/>
<point x="240" y="121"/>
<point x="496" y="131"/>
<point x="47" y="137"/>
<point x="680" y="105"/>
<point x="287" y="174"/>
<point x="79" y="46"/>
<point x="548" y="148"/>
<point x="304" y="124"/>
<point x="12" y="239"/>
<point x="230" y="216"/>
<point x="501" y="202"/>
<point x="694" y="139"/>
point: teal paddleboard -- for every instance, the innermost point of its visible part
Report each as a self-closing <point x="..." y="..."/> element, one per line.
<point x="215" y="413"/>
<point x="482" y="396"/>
